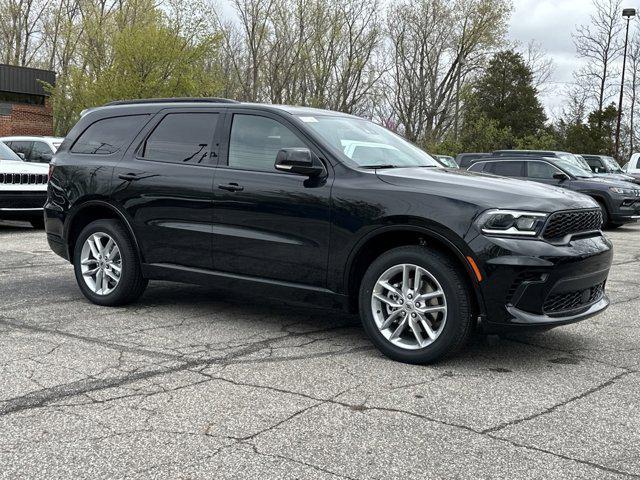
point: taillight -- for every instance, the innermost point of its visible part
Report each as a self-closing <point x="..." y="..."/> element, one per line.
<point x="51" y="168"/>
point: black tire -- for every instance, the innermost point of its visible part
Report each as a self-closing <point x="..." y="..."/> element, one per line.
<point x="460" y="319"/>
<point x="37" y="223"/>
<point x="605" y="214"/>
<point x="131" y="284"/>
<point x="613" y="226"/>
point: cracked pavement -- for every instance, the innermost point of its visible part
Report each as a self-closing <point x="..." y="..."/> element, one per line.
<point x="192" y="382"/>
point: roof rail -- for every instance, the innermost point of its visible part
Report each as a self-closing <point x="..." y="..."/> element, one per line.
<point x="172" y="100"/>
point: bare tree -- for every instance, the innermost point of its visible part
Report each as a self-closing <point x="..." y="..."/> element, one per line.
<point x="435" y="45"/>
<point x="599" y="44"/>
<point x="20" y="29"/>
<point x="539" y="62"/>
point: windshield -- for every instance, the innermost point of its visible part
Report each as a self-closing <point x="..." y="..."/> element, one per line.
<point x="573" y="167"/>
<point x="447" y="161"/>
<point x="581" y="167"/>
<point x="367" y="144"/>
<point x="7" y="154"/>
<point x="612" y="165"/>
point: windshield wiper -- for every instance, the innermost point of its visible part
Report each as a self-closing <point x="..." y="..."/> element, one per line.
<point x="378" y="166"/>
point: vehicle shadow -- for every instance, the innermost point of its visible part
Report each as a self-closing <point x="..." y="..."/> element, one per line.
<point x="14" y="226"/>
<point x="531" y="350"/>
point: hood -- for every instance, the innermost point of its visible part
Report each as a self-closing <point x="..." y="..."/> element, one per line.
<point x="607" y="181"/>
<point x="617" y="176"/>
<point x="486" y="191"/>
<point x="10" y="166"/>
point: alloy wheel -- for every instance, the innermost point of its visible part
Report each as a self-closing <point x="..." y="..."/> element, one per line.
<point x="101" y="263"/>
<point x="409" y="306"/>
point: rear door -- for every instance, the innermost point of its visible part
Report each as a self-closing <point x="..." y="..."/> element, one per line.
<point x="165" y="184"/>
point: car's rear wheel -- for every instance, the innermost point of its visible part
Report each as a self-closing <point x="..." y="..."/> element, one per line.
<point x="106" y="264"/>
<point x="415" y="305"/>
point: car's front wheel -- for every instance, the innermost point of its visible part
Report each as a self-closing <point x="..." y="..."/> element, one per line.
<point x="106" y="264"/>
<point x="415" y="305"/>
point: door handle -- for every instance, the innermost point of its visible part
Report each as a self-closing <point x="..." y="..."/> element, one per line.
<point x="231" y="187"/>
<point x="130" y="177"/>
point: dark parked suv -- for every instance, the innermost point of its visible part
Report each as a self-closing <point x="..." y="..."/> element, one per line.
<point x="618" y="200"/>
<point x="318" y="207"/>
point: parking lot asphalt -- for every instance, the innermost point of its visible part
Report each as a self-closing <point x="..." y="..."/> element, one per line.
<point x="192" y="382"/>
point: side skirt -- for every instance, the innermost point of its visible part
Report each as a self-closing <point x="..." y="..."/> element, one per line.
<point x="286" y="291"/>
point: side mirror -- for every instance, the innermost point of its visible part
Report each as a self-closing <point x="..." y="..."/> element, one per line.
<point x="561" y="176"/>
<point x="299" y="161"/>
<point x="21" y="155"/>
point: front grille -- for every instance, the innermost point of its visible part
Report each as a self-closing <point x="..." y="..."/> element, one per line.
<point x="573" y="300"/>
<point x="23" y="179"/>
<point x="561" y="224"/>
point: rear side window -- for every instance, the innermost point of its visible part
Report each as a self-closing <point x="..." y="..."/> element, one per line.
<point x="181" y="138"/>
<point x="109" y="135"/>
<point x="506" y="169"/>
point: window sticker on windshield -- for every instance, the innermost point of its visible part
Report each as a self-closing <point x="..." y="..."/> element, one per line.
<point x="309" y="119"/>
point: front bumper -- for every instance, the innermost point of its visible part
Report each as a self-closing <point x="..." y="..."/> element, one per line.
<point x="15" y="202"/>
<point x="625" y="209"/>
<point x="534" y="284"/>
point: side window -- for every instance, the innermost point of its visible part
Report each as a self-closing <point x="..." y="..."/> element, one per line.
<point x="508" y="169"/>
<point x="478" y="167"/>
<point x="41" y="152"/>
<point x="595" y="164"/>
<point x="22" y="147"/>
<point x="541" y="170"/>
<point x="181" y="138"/>
<point x="255" y="142"/>
<point x="109" y="135"/>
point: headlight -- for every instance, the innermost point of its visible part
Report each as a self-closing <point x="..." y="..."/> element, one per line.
<point x="511" y="223"/>
<point x="625" y="191"/>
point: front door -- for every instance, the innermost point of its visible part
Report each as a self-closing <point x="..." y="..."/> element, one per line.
<point x="267" y="223"/>
<point x="165" y="184"/>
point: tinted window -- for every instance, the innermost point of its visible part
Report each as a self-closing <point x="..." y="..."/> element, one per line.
<point x="109" y="135"/>
<point x="41" y="152"/>
<point x="182" y="138"/>
<point x="541" y="170"/>
<point x="507" y="169"/>
<point x="477" y="167"/>
<point x="255" y="142"/>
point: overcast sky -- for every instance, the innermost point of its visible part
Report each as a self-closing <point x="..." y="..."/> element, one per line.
<point x="551" y="23"/>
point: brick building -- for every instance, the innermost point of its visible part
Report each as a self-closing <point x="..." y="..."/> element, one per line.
<point x="24" y="104"/>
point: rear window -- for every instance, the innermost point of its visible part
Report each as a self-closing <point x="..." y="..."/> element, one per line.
<point x="109" y="135"/>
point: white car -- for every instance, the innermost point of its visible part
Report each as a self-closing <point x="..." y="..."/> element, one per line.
<point x="23" y="188"/>
<point x="33" y="149"/>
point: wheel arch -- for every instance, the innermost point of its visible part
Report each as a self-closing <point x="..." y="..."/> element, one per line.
<point x="393" y="236"/>
<point x="92" y="210"/>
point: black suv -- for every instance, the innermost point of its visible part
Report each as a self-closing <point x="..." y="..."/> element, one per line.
<point x="618" y="200"/>
<point x="318" y="207"/>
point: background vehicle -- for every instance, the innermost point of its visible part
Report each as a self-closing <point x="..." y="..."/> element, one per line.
<point x="633" y="166"/>
<point x="619" y="201"/>
<point x="275" y="200"/>
<point x="464" y="160"/>
<point x="34" y="149"/>
<point x="23" y="188"/>
<point x="607" y="167"/>
<point x="446" y="161"/>
<point x="568" y="157"/>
